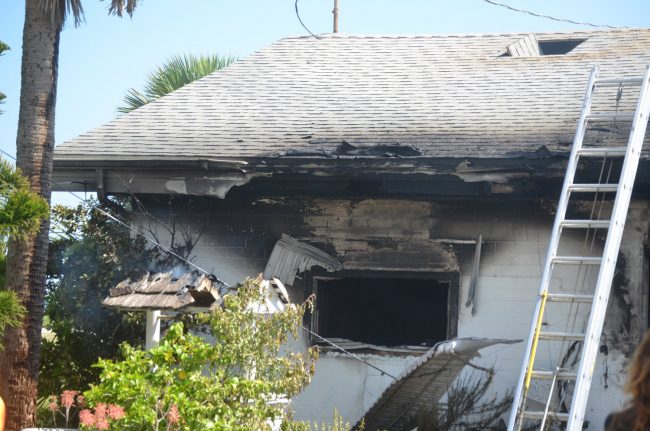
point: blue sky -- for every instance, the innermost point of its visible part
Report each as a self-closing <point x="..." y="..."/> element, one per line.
<point x="105" y="56"/>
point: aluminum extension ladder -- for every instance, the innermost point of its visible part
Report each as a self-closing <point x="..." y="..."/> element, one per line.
<point x="576" y="380"/>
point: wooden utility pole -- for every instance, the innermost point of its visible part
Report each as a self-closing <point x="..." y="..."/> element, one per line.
<point x="335" y="11"/>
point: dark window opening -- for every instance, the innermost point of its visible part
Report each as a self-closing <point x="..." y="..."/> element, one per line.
<point x="383" y="311"/>
<point x="530" y="47"/>
<point x="558" y="47"/>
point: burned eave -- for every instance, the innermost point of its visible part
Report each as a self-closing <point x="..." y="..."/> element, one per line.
<point x="531" y="174"/>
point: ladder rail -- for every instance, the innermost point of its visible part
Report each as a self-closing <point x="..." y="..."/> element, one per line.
<point x="610" y="254"/>
<point x="533" y="336"/>
<point x="549" y="399"/>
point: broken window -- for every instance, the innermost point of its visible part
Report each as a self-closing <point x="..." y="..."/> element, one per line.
<point x="530" y="46"/>
<point x="558" y="47"/>
<point x="383" y="311"/>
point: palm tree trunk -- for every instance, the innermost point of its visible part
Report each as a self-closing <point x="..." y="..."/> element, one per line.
<point x="27" y="260"/>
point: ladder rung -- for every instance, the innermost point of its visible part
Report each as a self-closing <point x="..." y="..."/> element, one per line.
<point x="602" y="152"/>
<point x="548" y="375"/>
<point x="569" y="297"/>
<point x="585" y="224"/>
<point x="615" y="82"/>
<point x="539" y="415"/>
<point x="560" y="336"/>
<point x="586" y="188"/>
<point x="587" y="340"/>
<point x="611" y="116"/>
<point x="576" y="260"/>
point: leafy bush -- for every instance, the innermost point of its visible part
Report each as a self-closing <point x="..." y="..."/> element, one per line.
<point x="21" y="214"/>
<point x="11" y="312"/>
<point x="89" y="255"/>
<point x="239" y="381"/>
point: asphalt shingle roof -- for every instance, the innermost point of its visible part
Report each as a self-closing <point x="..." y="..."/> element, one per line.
<point x="442" y="95"/>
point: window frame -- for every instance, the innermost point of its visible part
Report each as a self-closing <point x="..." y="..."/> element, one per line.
<point x="452" y="279"/>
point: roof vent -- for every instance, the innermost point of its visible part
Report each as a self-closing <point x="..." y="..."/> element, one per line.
<point x="529" y="46"/>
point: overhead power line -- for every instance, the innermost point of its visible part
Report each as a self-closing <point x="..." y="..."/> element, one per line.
<point x="347" y="352"/>
<point x="539" y="15"/>
<point x="136" y="232"/>
<point x="302" y="23"/>
<point x="181" y="258"/>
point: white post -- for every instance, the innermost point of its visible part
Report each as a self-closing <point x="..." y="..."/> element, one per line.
<point x="152" y="337"/>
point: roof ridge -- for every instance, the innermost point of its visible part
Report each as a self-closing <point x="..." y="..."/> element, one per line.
<point x="447" y="35"/>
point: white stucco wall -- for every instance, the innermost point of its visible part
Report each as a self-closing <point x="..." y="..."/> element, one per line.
<point x="507" y="290"/>
<point x="513" y="255"/>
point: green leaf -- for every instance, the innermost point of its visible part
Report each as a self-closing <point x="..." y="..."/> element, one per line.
<point x="222" y="385"/>
<point x="11" y="312"/>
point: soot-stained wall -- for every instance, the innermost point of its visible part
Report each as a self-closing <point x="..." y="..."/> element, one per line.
<point x="416" y="236"/>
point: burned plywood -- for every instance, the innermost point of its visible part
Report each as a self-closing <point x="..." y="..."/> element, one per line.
<point x="290" y="256"/>
<point x="527" y="46"/>
<point x="411" y="255"/>
<point x="423" y="383"/>
<point x="164" y="291"/>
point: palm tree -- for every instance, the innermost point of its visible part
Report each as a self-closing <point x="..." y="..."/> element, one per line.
<point x="172" y="75"/>
<point x="27" y="257"/>
<point x="21" y="213"/>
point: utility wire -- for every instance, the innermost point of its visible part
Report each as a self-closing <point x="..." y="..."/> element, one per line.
<point x="138" y="233"/>
<point x="223" y="283"/>
<point x="302" y="23"/>
<point x="548" y="16"/>
<point x="347" y="352"/>
<point x="62" y="232"/>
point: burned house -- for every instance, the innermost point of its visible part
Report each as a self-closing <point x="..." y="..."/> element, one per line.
<point x="408" y="181"/>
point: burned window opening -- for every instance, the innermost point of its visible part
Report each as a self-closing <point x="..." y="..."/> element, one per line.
<point x="383" y="311"/>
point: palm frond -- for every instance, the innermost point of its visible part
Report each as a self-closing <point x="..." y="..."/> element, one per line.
<point x="175" y="73"/>
<point x="10" y="177"/>
<point x="59" y="10"/>
<point x="11" y="311"/>
<point x="118" y="7"/>
<point x="3" y="47"/>
<point x="133" y="99"/>
<point x="21" y="210"/>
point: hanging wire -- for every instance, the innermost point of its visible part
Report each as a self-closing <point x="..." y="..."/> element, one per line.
<point x="138" y="233"/>
<point x="223" y="283"/>
<point x="539" y="15"/>
<point x="347" y="352"/>
<point x="302" y="23"/>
